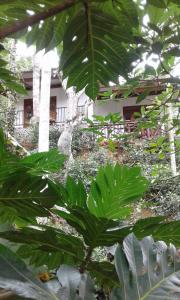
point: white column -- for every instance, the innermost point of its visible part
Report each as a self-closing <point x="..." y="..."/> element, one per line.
<point x="90" y="111"/>
<point x="43" y="144"/>
<point x="171" y="139"/>
<point x="36" y="84"/>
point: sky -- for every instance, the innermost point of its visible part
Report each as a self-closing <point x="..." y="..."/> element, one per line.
<point x="52" y="59"/>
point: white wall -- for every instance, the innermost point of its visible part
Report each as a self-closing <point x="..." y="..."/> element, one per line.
<point x="98" y="107"/>
<point x="105" y="107"/>
<point x="58" y="92"/>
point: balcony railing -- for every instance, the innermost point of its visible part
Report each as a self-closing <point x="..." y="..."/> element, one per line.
<point x="112" y="130"/>
<point x="61" y="114"/>
<point x="107" y="130"/>
<point x="19" y="121"/>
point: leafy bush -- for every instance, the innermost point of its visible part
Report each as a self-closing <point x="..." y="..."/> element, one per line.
<point x="98" y="218"/>
<point x="28" y="137"/>
<point x="145" y="270"/>
<point x="85" y="167"/>
<point x="25" y="137"/>
<point x="83" y="141"/>
<point x="164" y="196"/>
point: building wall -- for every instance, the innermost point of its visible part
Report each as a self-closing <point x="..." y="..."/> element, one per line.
<point x="105" y="107"/>
<point x="58" y="92"/>
<point x="98" y="107"/>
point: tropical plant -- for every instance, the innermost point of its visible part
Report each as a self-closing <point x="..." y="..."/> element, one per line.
<point x="8" y="81"/>
<point x="146" y="270"/>
<point x="100" y="40"/>
<point x="99" y="217"/>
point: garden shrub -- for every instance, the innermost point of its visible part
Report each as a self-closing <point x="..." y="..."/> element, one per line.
<point x="164" y="196"/>
<point x="86" y="167"/>
<point x="25" y="137"/>
<point x="83" y="141"/>
<point x="28" y="137"/>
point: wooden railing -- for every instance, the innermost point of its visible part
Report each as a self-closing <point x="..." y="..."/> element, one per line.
<point x="61" y="114"/>
<point x="107" y="130"/>
<point x="145" y="133"/>
<point x="19" y="121"/>
<point x="127" y="127"/>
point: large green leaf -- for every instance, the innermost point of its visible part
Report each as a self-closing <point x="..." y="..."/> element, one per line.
<point x="51" y="242"/>
<point x="15" y="276"/>
<point x="168" y="232"/>
<point x="28" y="195"/>
<point x="104" y="272"/>
<point x="114" y="189"/>
<point x="100" y="39"/>
<point x="147" y="270"/>
<point x="95" y="231"/>
<point x="93" y="52"/>
<point x="24" y="189"/>
<point x="73" y="194"/>
<point x="44" y="162"/>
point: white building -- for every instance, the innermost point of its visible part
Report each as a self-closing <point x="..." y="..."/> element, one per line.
<point x="58" y="104"/>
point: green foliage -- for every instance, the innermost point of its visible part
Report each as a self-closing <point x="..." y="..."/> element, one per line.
<point x="28" y="137"/>
<point x="146" y="270"/>
<point x="44" y="162"/>
<point x="97" y="218"/>
<point x="99" y="40"/>
<point x="8" y="81"/>
<point x="82" y="142"/>
<point x="85" y="167"/>
<point x="90" y="37"/>
<point x="118" y="185"/>
<point x="22" y="188"/>
<point x="15" y="276"/>
<point x="164" y="195"/>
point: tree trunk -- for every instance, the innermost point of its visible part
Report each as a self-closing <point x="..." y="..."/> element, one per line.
<point x="36" y="86"/>
<point x="43" y="144"/>
<point x="65" y="140"/>
<point x="171" y="139"/>
<point x="12" y="97"/>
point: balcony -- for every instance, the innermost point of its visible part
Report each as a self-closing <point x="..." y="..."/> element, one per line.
<point x="107" y="130"/>
<point x="127" y="127"/>
<point x="58" y="118"/>
<point x="61" y="115"/>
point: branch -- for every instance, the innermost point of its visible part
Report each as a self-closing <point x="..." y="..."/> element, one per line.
<point x="87" y="259"/>
<point x="30" y="21"/>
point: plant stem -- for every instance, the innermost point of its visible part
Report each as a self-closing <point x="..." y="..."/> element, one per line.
<point x="86" y="260"/>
